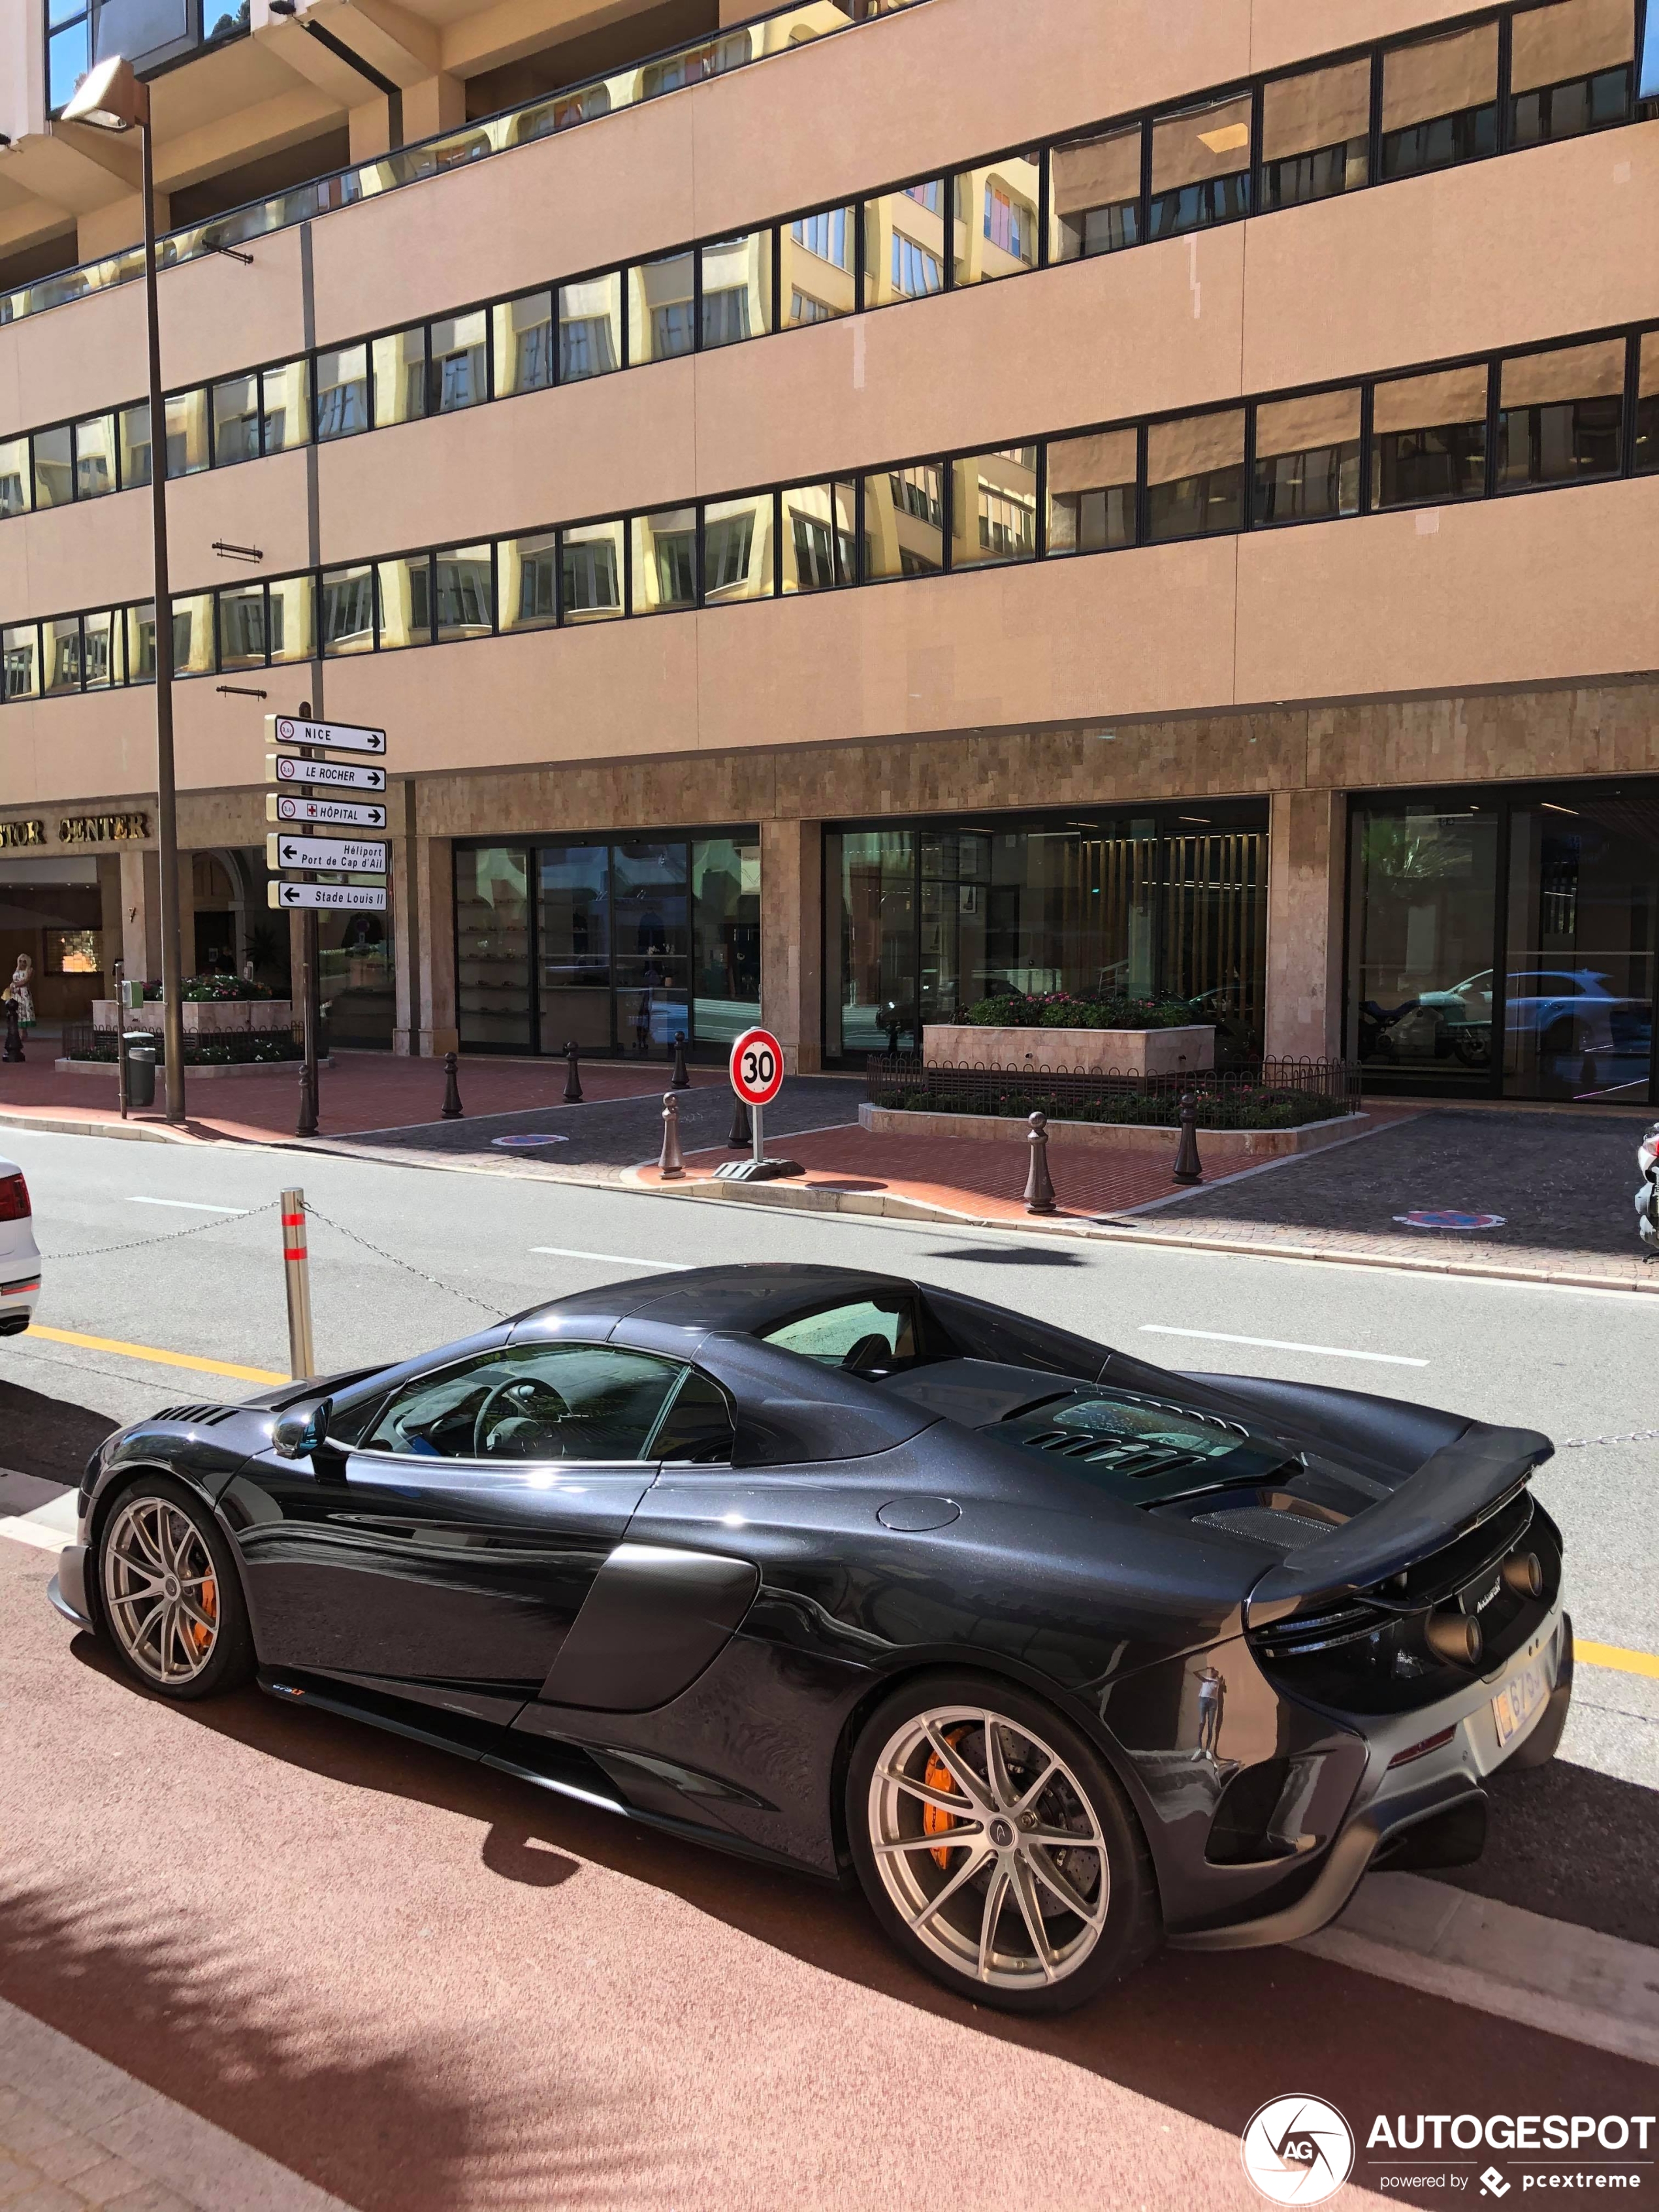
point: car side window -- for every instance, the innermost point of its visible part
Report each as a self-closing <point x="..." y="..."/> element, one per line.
<point x="867" y="1335"/>
<point x="697" y="1428"/>
<point x="532" y="1401"/>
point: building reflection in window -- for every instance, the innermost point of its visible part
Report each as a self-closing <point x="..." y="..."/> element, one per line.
<point x="661" y="308"/>
<point x="994" y="220"/>
<point x="737" y="289"/>
<point x="1647" y="393"/>
<point x="343" y="392"/>
<point x="1422" y="932"/>
<point x="737" y="550"/>
<point x="815" y="270"/>
<point x="820" y="536"/>
<point x="993" y="508"/>
<point x="665" y="560"/>
<point x="529" y="569"/>
<point x="492" y="948"/>
<point x="904" y="521"/>
<point x="591" y="572"/>
<point x="590" y="328"/>
<point x="524" y="344"/>
<point x="465" y="591"/>
<point x="400" y="363"/>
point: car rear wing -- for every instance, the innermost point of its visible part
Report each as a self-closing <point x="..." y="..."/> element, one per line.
<point x="1456" y="1488"/>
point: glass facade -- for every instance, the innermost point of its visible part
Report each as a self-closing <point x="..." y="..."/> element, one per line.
<point x="1504" y="947"/>
<point x="614" y="944"/>
<point x="923" y="919"/>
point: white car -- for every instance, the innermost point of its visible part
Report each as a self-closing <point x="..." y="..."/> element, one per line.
<point x="20" y="1260"/>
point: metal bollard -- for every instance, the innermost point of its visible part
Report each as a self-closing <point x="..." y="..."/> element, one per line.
<point x="671" y="1166"/>
<point x="1039" y="1188"/>
<point x="1187" y="1168"/>
<point x="14" y="1033"/>
<point x="452" y="1108"/>
<point x="741" y="1134"/>
<point x="296" y="1266"/>
<point x="681" y="1078"/>
<point x="573" y="1079"/>
<point x="307" y="1124"/>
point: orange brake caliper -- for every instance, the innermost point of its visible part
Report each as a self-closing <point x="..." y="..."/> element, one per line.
<point x="935" y="1820"/>
<point x="199" y="1633"/>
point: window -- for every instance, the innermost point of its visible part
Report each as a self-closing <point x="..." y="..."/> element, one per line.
<point x="343" y="392"/>
<point x="591" y="570"/>
<point x="54" y="466"/>
<point x="697" y="1429"/>
<point x="661" y="311"/>
<point x="60" y="643"/>
<point x="738" y="549"/>
<point x="1647" y="405"/>
<point x="94" y="457"/>
<point x="348" y="610"/>
<point x="803" y="308"/>
<point x="1315" y="134"/>
<point x="133" y="429"/>
<point x="1306" y="458"/>
<point x="529" y="1402"/>
<point x="993" y="508"/>
<point x="141" y="643"/>
<point x="400" y="377"/>
<point x="695" y="64"/>
<point x="1201" y="167"/>
<point x="1429" y="438"/>
<point x="242" y="627"/>
<point x="524" y="344"/>
<point x="187" y="433"/>
<point x="19" y="661"/>
<point x="904" y="522"/>
<point x="1096" y="188"/>
<point x="460" y="362"/>
<point x="529" y="575"/>
<point x="904" y="246"/>
<point x="75" y="952"/>
<point x="737" y="289"/>
<point x="285" y="406"/>
<point x="994" y="233"/>
<point x="100" y="646"/>
<point x="235" y="406"/>
<point x="665" y="560"/>
<point x="15" y="477"/>
<point x="1091" y="492"/>
<point x="820" y="545"/>
<point x="404" y="591"/>
<point x="590" y="328"/>
<point x="1440" y="101"/>
<point x="828" y="235"/>
<point x="817" y="268"/>
<point x="1560" y="414"/>
<point x="916" y="272"/>
<point x="466" y="593"/>
<point x="192" y="634"/>
<point x="1570" y="70"/>
<point x="293" y="619"/>
<point x="1195" y="475"/>
<point x="871" y="1336"/>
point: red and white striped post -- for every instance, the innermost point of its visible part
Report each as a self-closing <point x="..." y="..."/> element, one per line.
<point x="296" y="1266"/>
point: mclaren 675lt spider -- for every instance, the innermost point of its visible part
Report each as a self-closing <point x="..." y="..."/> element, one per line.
<point x="1057" y="1653"/>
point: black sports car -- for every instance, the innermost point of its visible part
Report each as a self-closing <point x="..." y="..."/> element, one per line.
<point x="1058" y="1651"/>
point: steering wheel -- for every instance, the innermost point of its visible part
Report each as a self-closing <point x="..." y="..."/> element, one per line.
<point x="536" y="1406"/>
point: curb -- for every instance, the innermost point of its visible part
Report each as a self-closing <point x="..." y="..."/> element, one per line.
<point x="1546" y="1974"/>
<point x="137" y="1132"/>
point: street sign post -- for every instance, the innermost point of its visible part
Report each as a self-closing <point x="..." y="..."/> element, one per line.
<point x="756" y="1070"/>
<point x="330" y="775"/>
<point x="326" y="813"/>
<point x="333" y="737"/>
<point x="316" y="898"/>
<point x="356" y="856"/>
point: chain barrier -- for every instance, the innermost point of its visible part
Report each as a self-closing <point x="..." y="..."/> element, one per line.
<point x="166" y="1236"/>
<point x="392" y="1260"/>
<point x="1633" y="1436"/>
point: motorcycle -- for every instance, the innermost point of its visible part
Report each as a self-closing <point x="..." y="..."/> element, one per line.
<point x="1647" y="1199"/>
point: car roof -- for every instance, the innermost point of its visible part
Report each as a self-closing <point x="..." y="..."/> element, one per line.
<point x="746" y="1295"/>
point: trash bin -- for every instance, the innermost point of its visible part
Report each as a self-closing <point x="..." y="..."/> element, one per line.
<point x="139" y="1046"/>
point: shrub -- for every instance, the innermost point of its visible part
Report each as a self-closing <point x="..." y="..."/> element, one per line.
<point x="1061" y="1010"/>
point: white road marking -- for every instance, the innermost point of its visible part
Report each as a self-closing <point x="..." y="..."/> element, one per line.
<point x="189" y="1205"/>
<point x="610" y="1259"/>
<point x="1279" y="1344"/>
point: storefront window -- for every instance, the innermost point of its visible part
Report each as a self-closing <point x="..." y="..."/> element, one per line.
<point x="575" y="947"/>
<point x="357" y="977"/>
<point x="651" y="936"/>
<point x="724" y="938"/>
<point x="492" y="948"/>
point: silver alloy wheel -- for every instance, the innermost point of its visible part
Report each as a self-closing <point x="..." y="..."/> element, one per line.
<point x="160" y="1590"/>
<point x="989" y="1847"/>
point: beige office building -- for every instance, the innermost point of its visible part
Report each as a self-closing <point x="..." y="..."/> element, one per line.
<point x="850" y="511"/>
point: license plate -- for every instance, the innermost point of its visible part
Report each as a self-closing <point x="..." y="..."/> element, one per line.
<point x="1518" y="1700"/>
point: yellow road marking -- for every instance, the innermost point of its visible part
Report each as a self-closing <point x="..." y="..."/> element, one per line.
<point x="160" y="1358"/>
<point x="1613" y="1656"/>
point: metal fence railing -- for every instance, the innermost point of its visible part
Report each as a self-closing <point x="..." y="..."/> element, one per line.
<point x="236" y="1048"/>
<point x="1271" y="1094"/>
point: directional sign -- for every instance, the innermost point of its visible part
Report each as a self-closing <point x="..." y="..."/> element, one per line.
<point x="333" y="737"/>
<point x="332" y="775"/>
<point x="326" y="813"/>
<point x="326" y="895"/>
<point x="358" y="856"/>
<point x="758" y="1067"/>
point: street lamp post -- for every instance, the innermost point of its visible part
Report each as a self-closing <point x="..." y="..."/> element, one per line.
<point x="112" y="98"/>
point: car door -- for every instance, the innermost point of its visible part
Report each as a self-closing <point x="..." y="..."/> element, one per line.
<point x="454" y="1541"/>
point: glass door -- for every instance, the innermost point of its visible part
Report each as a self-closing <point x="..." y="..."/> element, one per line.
<point x="1424" y="919"/>
<point x="492" y="949"/>
<point x="652" y="945"/>
<point x="575" y="948"/>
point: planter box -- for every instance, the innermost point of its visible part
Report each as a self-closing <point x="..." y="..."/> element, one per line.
<point x="202" y="1017"/>
<point x="1081" y="1052"/>
<point x="1228" y="1149"/>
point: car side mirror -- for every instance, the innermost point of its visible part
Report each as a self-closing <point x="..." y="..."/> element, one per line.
<point x="301" y="1431"/>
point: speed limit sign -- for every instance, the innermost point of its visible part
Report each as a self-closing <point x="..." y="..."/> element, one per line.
<point x="758" y="1067"/>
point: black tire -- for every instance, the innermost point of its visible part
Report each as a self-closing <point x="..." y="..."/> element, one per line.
<point x="910" y="1885"/>
<point x="183" y="1632"/>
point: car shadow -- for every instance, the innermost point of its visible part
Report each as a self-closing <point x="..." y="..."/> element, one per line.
<point x="1209" y="2035"/>
<point x="1009" y="1256"/>
<point x="49" y="1439"/>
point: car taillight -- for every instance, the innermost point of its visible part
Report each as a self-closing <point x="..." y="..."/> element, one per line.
<point x="14" y="1199"/>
